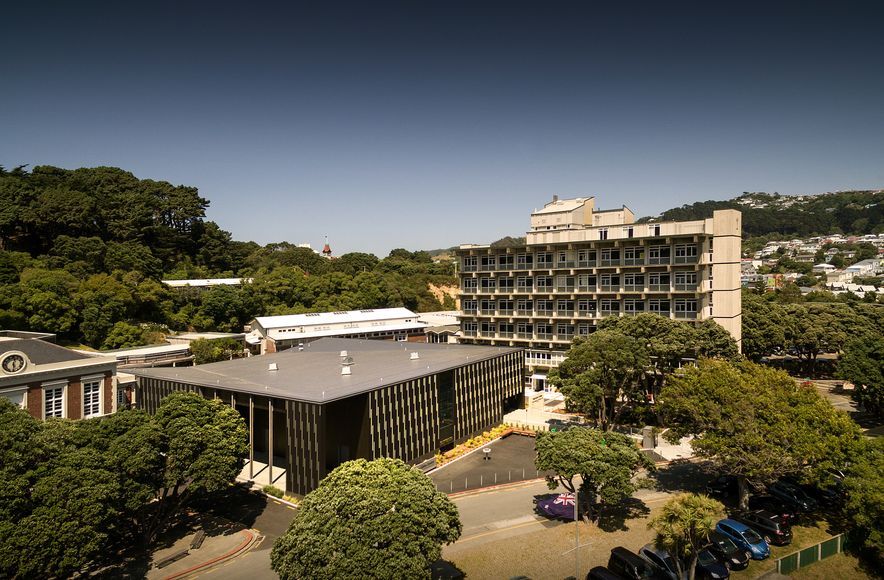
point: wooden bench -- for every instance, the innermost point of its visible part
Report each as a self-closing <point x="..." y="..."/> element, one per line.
<point x="171" y="558"/>
<point x="197" y="540"/>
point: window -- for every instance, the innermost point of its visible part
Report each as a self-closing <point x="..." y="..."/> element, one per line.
<point x="544" y="260"/>
<point x="610" y="306"/>
<point x="685" y="279"/>
<point x="659" y="306"/>
<point x="634" y="306"/>
<point x="488" y="328"/>
<point x="488" y="306"/>
<point x="469" y="305"/>
<point x="505" y="306"/>
<point x="564" y="330"/>
<point x="565" y="307"/>
<point x="53" y="402"/>
<point x="469" y="263"/>
<point x="583" y="329"/>
<point x="487" y="283"/>
<point x="603" y="234"/>
<point x="610" y="281"/>
<point x="470" y="327"/>
<point x="488" y="262"/>
<point x="586" y="306"/>
<point x="610" y="254"/>
<point x="655" y="229"/>
<point x="544" y="306"/>
<point x="524" y="305"/>
<point x="122" y="401"/>
<point x="91" y="398"/>
<point x="685" y="252"/>
<point x="544" y="330"/>
<point x="687" y="306"/>
<point x="506" y="283"/>
<point x="635" y="280"/>
<point x="524" y="282"/>
<point x="585" y="282"/>
<point x="470" y="284"/>
<point x="524" y="261"/>
<point x="524" y="328"/>
<point x="628" y="231"/>
<point x="505" y="262"/>
<point x="544" y="282"/>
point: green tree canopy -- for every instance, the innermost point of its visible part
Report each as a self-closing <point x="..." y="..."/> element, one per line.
<point x="683" y="526"/>
<point x="604" y="462"/>
<point x="862" y="363"/>
<point x="756" y="423"/>
<point x="368" y="519"/>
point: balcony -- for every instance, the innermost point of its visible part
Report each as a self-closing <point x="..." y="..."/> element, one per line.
<point x="545" y="312"/>
<point x="566" y="336"/>
<point x="506" y="267"/>
<point x="634" y="261"/>
<point x="658" y="287"/>
<point x="609" y="287"/>
<point x="472" y="268"/>
<point x="565" y="288"/>
<point x="586" y="313"/>
<point x="686" y="259"/>
<point x="661" y="260"/>
<point x="633" y="287"/>
<point x="505" y="312"/>
<point x="470" y="333"/>
<point x="691" y="287"/>
<point x="686" y="315"/>
<point x="566" y="264"/>
<point x="505" y="290"/>
<point x="605" y="313"/>
<point x="604" y="262"/>
<point x="544" y="336"/>
<point x="565" y="313"/>
<point x="544" y="266"/>
<point x="586" y="263"/>
<point x="544" y="289"/>
<point x="505" y="334"/>
<point x="586" y="288"/>
<point x="524" y="335"/>
<point x="525" y="289"/>
<point x="523" y="312"/>
<point x="664" y="313"/>
<point x="487" y="311"/>
<point x="471" y="311"/>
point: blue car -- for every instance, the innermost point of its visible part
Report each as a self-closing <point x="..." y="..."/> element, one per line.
<point x="745" y="538"/>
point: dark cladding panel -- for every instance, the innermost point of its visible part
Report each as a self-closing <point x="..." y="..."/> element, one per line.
<point x="404" y="420"/>
<point x="306" y="432"/>
<point x="480" y="391"/>
<point x="150" y="392"/>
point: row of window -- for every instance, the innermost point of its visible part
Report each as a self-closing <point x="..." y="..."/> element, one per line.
<point x="570" y="258"/>
<point x="54" y="403"/>
<point x="582" y="282"/>
<point x="582" y="306"/>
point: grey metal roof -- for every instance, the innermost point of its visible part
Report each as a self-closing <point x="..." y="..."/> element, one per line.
<point x="314" y="374"/>
<point x="41" y="352"/>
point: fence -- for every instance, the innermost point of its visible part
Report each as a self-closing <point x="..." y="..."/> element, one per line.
<point x="811" y="554"/>
<point x="487" y="479"/>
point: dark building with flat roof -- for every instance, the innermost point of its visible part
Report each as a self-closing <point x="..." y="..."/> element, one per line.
<point x="340" y="399"/>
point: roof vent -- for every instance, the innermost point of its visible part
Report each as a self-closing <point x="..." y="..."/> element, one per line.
<point x="272" y="367"/>
<point x="414" y="356"/>
<point x="345" y="371"/>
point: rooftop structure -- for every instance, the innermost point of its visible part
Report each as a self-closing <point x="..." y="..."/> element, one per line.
<point x="274" y="333"/>
<point x="206" y="282"/>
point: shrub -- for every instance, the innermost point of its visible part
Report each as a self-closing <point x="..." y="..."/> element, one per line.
<point x="273" y="490"/>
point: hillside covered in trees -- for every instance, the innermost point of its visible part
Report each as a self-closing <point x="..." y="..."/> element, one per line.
<point x="765" y="214"/>
<point x="82" y="253"/>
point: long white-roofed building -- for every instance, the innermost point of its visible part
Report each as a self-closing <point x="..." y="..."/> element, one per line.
<point x="277" y="333"/>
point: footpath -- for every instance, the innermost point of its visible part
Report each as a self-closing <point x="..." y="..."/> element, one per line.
<point x="214" y="550"/>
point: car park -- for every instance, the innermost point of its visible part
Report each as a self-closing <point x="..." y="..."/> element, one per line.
<point x="629" y="565"/>
<point x="744" y="537"/>
<point x="772" y="527"/>
<point x="793" y="496"/>
<point x="602" y="573"/>
<point x="734" y="557"/>
<point x="662" y="561"/>
<point x="710" y="567"/>
<point x="724" y="486"/>
<point x="776" y="506"/>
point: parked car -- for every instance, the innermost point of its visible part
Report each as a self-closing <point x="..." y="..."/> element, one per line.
<point x="724" y="486"/>
<point x="793" y="496"/>
<point x="734" y="557"/>
<point x="772" y="527"/>
<point x="771" y="504"/>
<point x="744" y="537"/>
<point x="663" y="563"/>
<point x="710" y="567"/>
<point x="629" y="565"/>
<point x="827" y="494"/>
<point x="602" y="573"/>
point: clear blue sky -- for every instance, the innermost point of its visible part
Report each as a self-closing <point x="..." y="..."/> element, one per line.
<point x="425" y="124"/>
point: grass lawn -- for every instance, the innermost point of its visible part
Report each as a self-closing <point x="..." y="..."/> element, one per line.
<point x="840" y="566"/>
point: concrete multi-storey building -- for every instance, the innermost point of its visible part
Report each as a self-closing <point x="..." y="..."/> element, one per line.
<point x="580" y="264"/>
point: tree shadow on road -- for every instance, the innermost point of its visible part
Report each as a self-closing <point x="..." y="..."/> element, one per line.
<point x="682" y="475"/>
<point x="615" y="517"/>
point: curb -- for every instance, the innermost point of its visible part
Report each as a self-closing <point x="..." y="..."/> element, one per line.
<point x="250" y="537"/>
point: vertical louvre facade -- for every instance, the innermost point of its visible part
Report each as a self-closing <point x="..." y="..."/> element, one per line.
<point x="481" y="390"/>
<point x="305" y="428"/>
<point x="404" y="420"/>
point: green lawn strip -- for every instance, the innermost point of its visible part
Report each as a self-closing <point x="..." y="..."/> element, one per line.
<point x="840" y="566"/>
